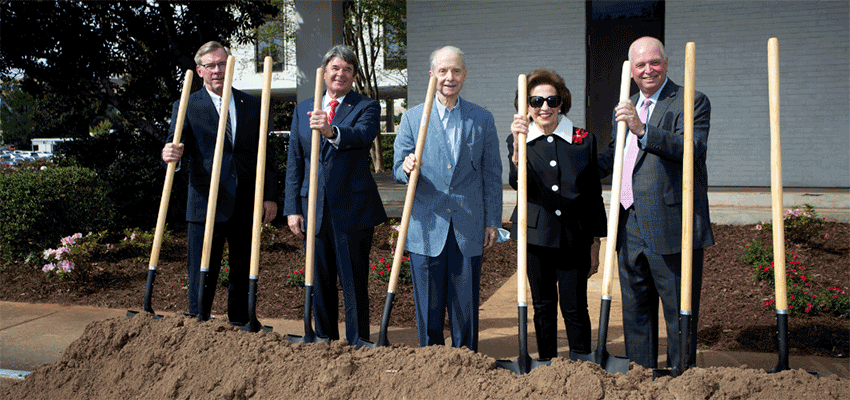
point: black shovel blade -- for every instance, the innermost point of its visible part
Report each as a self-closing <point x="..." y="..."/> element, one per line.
<point x="309" y="334"/>
<point x="253" y="327"/>
<point x="611" y="364"/>
<point x="385" y="322"/>
<point x="523" y="364"/>
<point x="148" y="294"/>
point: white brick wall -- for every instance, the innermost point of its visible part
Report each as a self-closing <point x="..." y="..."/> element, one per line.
<point x="500" y="40"/>
<point x="814" y="67"/>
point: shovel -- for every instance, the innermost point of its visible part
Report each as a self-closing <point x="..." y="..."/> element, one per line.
<point x="212" y="198"/>
<point x="166" y="195"/>
<point x="405" y="219"/>
<point x="309" y="334"/>
<point x="253" y="324"/>
<point x="686" y="341"/>
<point x="611" y="364"/>
<point x="524" y="363"/>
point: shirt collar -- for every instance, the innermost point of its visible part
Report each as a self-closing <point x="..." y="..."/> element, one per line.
<point x="564" y="130"/>
<point x="326" y="100"/>
<point x="441" y="109"/>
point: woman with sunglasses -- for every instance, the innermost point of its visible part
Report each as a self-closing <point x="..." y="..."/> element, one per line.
<point x="565" y="210"/>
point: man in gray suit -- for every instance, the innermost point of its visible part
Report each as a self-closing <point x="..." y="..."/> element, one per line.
<point x="458" y="205"/>
<point x="650" y="227"/>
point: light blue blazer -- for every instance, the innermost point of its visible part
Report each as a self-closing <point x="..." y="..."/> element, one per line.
<point x="465" y="192"/>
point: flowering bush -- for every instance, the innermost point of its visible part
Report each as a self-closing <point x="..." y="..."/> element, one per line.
<point x="801" y="296"/>
<point x="296" y="278"/>
<point x="801" y="224"/>
<point x="75" y="252"/>
<point x="383" y="269"/>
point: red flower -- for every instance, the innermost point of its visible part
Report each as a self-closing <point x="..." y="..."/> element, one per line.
<point x="579" y="135"/>
<point x="382" y="260"/>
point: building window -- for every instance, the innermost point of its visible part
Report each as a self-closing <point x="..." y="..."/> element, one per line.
<point x="395" y="48"/>
<point x="270" y="47"/>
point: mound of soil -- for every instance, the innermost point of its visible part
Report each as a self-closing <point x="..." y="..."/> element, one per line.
<point x="177" y="357"/>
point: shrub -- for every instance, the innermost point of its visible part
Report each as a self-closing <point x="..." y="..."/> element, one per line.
<point x="130" y="168"/>
<point x="41" y="205"/>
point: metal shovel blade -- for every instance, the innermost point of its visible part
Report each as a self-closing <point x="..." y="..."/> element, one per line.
<point x="524" y="363"/>
<point x="309" y="334"/>
<point x="385" y="322"/>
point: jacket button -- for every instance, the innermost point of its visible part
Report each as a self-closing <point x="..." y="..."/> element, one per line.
<point x="449" y="166"/>
<point x="554" y="188"/>
<point x="553" y="163"/>
<point x="550" y="139"/>
<point x="558" y="212"/>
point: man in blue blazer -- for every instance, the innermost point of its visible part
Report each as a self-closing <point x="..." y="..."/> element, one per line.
<point x="234" y="214"/>
<point x="649" y="241"/>
<point x="458" y="205"/>
<point x="348" y="204"/>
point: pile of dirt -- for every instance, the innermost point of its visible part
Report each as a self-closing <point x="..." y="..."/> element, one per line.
<point x="176" y="357"/>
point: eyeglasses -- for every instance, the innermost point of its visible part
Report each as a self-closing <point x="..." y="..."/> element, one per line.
<point x="211" y="66"/>
<point x="537" y="101"/>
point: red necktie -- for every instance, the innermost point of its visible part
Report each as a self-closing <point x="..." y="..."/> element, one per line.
<point x="333" y="105"/>
<point x="626" y="192"/>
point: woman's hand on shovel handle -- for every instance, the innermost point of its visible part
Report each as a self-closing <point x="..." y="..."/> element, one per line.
<point x="519" y="126"/>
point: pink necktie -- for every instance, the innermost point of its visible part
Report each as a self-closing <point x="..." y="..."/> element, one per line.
<point x="626" y="193"/>
<point x="333" y="105"/>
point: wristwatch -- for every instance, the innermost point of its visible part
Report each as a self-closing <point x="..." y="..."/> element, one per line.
<point x="335" y="135"/>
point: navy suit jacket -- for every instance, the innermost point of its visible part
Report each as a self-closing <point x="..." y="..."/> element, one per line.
<point x="345" y="179"/>
<point x="239" y="164"/>
<point x="657" y="177"/>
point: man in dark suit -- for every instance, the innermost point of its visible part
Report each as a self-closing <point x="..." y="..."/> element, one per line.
<point x="348" y="204"/>
<point x="233" y="217"/>
<point x="650" y="227"/>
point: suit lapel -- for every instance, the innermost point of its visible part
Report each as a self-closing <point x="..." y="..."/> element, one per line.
<point x="347" y="105"/>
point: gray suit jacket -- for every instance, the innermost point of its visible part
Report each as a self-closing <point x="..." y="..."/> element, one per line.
<point x="466" y="191"/>
<point x="657" y="177"/>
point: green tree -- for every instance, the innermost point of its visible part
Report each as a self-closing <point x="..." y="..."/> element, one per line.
<point x="15" y="115"/>
<point x="373" y="27"/>
<point x="81" y="60"/>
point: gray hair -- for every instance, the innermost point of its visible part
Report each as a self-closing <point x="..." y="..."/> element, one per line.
<point x="343" y="52"/>
<point x="451" y="49"/>
<point x="654" y="41"/>
<point x="208" y="47"/>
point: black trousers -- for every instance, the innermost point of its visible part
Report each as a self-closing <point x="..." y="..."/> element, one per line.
<point x="559" y="275"/>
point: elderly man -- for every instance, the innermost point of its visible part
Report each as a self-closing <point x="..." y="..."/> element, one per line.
<point x="649" y="242"/>
<point x="458" y="206"/>
<point x="233" y="216"/>
<point x="348" y="204"/>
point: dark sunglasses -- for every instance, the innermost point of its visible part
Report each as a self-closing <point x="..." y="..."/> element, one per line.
<point x="537" y="101"/>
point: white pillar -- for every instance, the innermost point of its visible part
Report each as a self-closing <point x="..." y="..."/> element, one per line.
<point x="320" y="26"/>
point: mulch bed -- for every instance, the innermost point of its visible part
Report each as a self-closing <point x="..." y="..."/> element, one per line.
<point x="733" y="315"/>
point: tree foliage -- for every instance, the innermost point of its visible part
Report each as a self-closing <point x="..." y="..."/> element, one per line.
<point x="373" y="27"/>
<point x="78" y="60"/>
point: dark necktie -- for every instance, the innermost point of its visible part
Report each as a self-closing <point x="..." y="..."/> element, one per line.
<point x="228" y="130"/>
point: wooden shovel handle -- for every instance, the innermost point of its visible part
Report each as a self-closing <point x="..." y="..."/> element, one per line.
<point x="776" y="177"/>
<point x="315" y="148"/>
<point x="411" y="185"/>
<point x="215" y="177"/>
<point x="688" y="181"/>
<point x="169" y="172"/>
<point x="260" y="182"/>
<point x="522" y="198"/>
<point x="616" y="182"/>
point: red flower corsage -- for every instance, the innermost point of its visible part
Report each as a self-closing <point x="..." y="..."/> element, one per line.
<point x="579" y="135"/>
